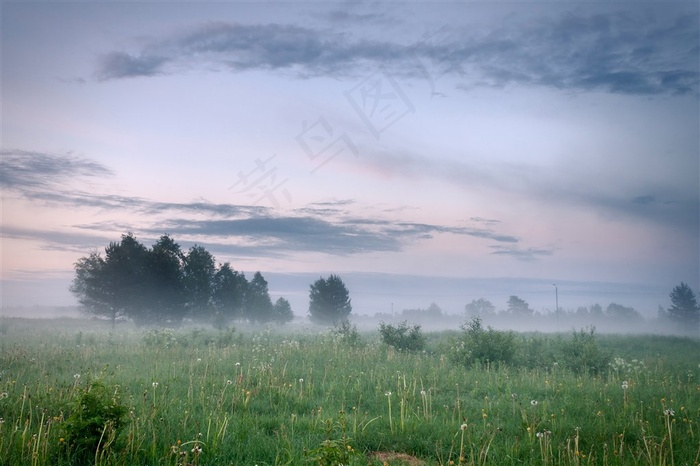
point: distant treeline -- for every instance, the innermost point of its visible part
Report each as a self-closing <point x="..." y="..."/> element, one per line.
<point x="682" y="317"/>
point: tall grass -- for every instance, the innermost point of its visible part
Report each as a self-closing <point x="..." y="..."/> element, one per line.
<point x="264" y="396"/>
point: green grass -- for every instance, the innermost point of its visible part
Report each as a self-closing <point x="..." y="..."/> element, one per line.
<point x="266" y="397"/>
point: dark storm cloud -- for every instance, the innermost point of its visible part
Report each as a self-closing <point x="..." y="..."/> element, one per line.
<point x="617" y="53"/>
<point x="28" y="171"/>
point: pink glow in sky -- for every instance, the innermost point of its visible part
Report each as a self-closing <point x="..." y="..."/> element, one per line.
<point x="498" y="141"/>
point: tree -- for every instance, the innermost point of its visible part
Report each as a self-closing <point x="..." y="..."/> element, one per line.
<point x="620" y="312"/>
<point x="519" y="307"/>
<point x="479" y="308"/>
<point x="684" y="308"/>
<point x="282" y="311"/>
<point x="113" y="286"/>
<point x="258" y="305"/>
<point x="228" y="294"/>
<point x="90" y="289"/>
<point x="329" y="300"/>
<point x="166" y="297"/>
<point x="199" y="269"/>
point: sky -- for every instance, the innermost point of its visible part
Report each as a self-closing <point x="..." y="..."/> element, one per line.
<point x="425" y="152"/>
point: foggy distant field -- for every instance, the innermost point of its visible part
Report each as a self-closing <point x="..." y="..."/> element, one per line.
<point x="315" y="395"/>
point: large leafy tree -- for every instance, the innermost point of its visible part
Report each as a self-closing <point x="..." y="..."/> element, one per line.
<point x="684" y="307"/>
<point x="198" y="275"/>
<point x="166" y="288"/>
<point x="329" y="300"/>
<point x="228" y="294"/>
<point x="113" y="286"/>
<point x="282" y="311"/>
<point x="258" y="305"/>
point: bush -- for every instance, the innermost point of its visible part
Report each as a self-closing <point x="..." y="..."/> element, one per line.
<point x="582" y="354"/>
<point x="94" y="423"/>
<point x="347" y="333"/>
<point x="402" y="337"/>
<point x="483" y="346"/>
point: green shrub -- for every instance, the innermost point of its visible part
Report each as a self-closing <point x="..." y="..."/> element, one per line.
<point x="483" y="346"/>
<point x="347" y="333"/>
<point x="94" y="423"/>
<point x="582" y="354"/>
<point x="402" y="337"/>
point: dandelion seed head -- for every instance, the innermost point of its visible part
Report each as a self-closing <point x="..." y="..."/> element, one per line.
<point x="155" y="384"/>
<point x="387" y="394"/>
<point x="463" y="426"/>
<point x="533" y="402"/>
<point x="76" y="376"/>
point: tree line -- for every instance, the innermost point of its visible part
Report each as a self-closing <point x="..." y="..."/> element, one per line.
<point x="163" y="285"/>
<point x="684" y="310"/>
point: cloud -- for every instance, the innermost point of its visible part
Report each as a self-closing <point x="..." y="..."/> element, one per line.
<point x="48" y="177"/>
<point x="527" y="254"/>
<point x="55" y="240"/>
<point x="28" y="171"/>
<point x="117" y="65"/>
<point x="669" y="204"/>
<point x="622" y="53"/>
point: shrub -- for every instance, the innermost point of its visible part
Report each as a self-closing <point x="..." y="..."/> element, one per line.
<point x="347" y="333"/>
<point x="483" y="346"/>
<point x="582" y="354"/>
<point x="94" y="423"/>
<point x="402" y="337"/>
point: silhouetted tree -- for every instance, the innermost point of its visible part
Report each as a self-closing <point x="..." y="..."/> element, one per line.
<point x="282" y="311"/>
<point x="113" y="286"/>
<point x="479" y="308"/>
<point x="519" y="307"/>
<point x="329" y="300"/>
<point x="258" y="305"/>
<point x="198" y="275"/>
<point x="684" y="308"/>
<point x="228" y="294"/>
<point x="620" y="312"/>
<point x="166" y="289"/>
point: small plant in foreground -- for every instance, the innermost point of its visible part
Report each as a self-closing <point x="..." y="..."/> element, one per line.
<point x="333" y="452"/>
<point x="94" y="423"/>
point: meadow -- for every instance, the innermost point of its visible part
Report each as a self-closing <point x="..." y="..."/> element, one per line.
<point x="78" y="392"/>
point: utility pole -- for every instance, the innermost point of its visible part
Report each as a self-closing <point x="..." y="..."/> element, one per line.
<point x="556" y="297"/>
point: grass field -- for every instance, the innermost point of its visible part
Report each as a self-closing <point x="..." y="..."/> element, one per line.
<point x="74" y="392"/>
